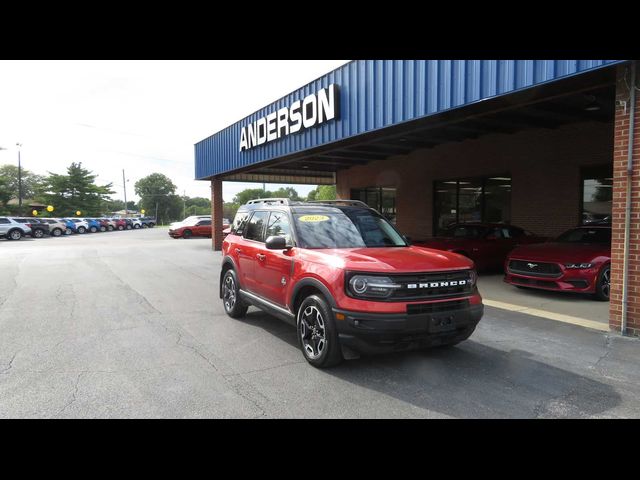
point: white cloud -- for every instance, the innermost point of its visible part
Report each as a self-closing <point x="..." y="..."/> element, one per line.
<point x="141" y="116"/>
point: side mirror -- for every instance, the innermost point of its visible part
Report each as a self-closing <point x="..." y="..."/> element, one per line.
<point x="276" y="243"/>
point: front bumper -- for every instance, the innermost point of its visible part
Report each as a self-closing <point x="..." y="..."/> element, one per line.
<point x="174" y="234"/>
<point x="387" y="332"/>
<point x="579" y="281"/>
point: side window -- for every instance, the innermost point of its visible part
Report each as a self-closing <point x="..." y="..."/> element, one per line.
<point x="4" y="220"/>
<point x="204" y="222"/>
<point x="255" y="227"/>
<point x="279" y="226"/>
<point x="239" y="222"/>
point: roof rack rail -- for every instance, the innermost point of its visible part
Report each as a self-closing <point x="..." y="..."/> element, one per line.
<point x="352" y="203"/>
<point x="281" y="201"/>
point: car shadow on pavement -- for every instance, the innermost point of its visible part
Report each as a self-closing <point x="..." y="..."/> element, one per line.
<point x="470" y="380"/>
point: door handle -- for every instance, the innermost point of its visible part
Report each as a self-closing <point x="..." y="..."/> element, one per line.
<point x="238" y="250"/>
<point x="260" y="256"/>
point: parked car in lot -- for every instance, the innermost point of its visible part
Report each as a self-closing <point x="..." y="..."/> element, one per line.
<point x="72" y="227"/>
<point x="38" y="229"/>
<point x="189" y="221"/>
<point x="121" y="223"/>
<point x="11" y="229"/>
<point x="56" y="226"/>
<point x="487" y="244"/>
<point x="347" y="279"/>
<point x="148" y="222"/>
<point x="93" y="225"/>
<point x="199" y="228"/>
<point x="81" y="225"/>
<point x="579" y="261"/>
<point x="111" y="224"/>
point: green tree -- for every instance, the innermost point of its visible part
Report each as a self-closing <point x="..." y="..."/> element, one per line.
<point x="323" y="192"/>
<point x="32" y="185"/>
<point x="252" y="193"/>
<point x="76" y="190"/>
<point x="157" y="193"/>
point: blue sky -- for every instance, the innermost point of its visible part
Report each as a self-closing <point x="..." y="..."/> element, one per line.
<point x="141" y="116"/>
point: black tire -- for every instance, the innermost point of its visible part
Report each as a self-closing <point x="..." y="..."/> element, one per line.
<point x="317" y="333"/>
<point x="186" y="234"/>
<point x="233" y="306"/>
<point x="110" y="228"/>
<point x="128" y="227"/>
<point x="151" y="224"/>
<point x="14" y="235"/>
<point x="120" y="227"/>
<point x="93" y="229"/>
<point x="144" y="225"/>
<point x="56" y="232"/>
<point x="603" y="284"/>
<point x="68" y="231"/>
<point x="103" y="228"/>
<point x="81" y="230"/>
<point x="37" y="233"/>
<point x="136" y="226"/>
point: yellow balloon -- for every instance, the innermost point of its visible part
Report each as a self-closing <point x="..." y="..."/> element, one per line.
<point x="49" y="208"/>
<point x="142" y="212"/>
<point x="78" y="212"/>
<point x="34" y="212"/>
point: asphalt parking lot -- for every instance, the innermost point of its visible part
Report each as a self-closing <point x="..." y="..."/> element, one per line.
<point x="129" y="325"/>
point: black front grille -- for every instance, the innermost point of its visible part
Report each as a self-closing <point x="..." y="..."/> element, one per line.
<point x="432" y="285"/>
<point x="534" y="283"/>
<point x="535" y="269"/>
<point x="437" y="307"/>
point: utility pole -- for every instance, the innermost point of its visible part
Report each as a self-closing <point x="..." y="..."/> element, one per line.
<point x="19" y="181"/>
<point x="124" y="185"/>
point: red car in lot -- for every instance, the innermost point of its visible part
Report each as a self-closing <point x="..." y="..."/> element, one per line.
<point x="346" y="279"/>
<point x="487" y="244"/>
<point x="579" y="261"/>
<point x="201" y="228"/>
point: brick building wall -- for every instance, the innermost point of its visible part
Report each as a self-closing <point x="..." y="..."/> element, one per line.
<point x="216" y="214"/>
<point x="544" y="165"/>
<point x="620" y="153"/>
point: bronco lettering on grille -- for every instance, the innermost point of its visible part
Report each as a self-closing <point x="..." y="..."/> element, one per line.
<point x="451" y="283"/>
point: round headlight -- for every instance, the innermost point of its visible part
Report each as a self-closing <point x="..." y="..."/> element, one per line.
<point x="359" y="284"/>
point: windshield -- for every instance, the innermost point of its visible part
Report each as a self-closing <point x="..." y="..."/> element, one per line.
<point x="346" y="229"/>
<point x="586" y="235"/>
<point x="465" y="231"/>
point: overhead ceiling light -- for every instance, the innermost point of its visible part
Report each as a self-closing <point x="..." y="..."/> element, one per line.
<point x="402" y="139"/>
<point x="592" y="104"/>
<point x="499" y="178"/>
<point x="305" y="166"/>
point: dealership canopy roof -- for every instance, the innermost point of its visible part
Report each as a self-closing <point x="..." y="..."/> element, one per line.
<point x="388" y="107"/>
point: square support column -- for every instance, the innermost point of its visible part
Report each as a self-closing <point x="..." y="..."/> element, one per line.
<point x="619" y="209"/>
<point x="216" y="214"/>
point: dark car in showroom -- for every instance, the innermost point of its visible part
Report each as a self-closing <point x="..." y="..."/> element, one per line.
<point x="577" y="261"/>
<point x="487" y="244"/>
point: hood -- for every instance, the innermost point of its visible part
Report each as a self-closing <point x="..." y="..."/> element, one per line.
<point x="561" y="252"/>
<point x="393" y="259"/>
<point x="442" y="243"/>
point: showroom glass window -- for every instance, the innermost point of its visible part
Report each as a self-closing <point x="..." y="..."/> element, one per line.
<point x="597" y="193"/>
<point x="481" y="199"/>
<point x="383" y="199"/>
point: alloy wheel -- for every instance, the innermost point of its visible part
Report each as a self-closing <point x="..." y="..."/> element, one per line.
<point x="229" y="293"/>
<point x="605" y="283"/>
<point x="15" y="235"/>
<point x="312" y="332"/>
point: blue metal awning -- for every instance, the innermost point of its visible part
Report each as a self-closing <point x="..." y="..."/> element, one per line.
<point x="371" y="95"/>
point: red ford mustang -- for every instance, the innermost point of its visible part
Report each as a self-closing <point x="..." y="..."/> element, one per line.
<point x="487" y="244"/>
<point x="201" y="228"/>
<point x="579" y="260"/>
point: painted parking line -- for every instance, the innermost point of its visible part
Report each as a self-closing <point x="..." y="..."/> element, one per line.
<point x="558" y="317"/>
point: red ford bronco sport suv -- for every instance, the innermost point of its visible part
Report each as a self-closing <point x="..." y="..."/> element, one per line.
<point x="346" y="279"/>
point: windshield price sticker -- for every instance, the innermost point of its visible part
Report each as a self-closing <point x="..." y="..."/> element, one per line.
<point x="313" y="218"/>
